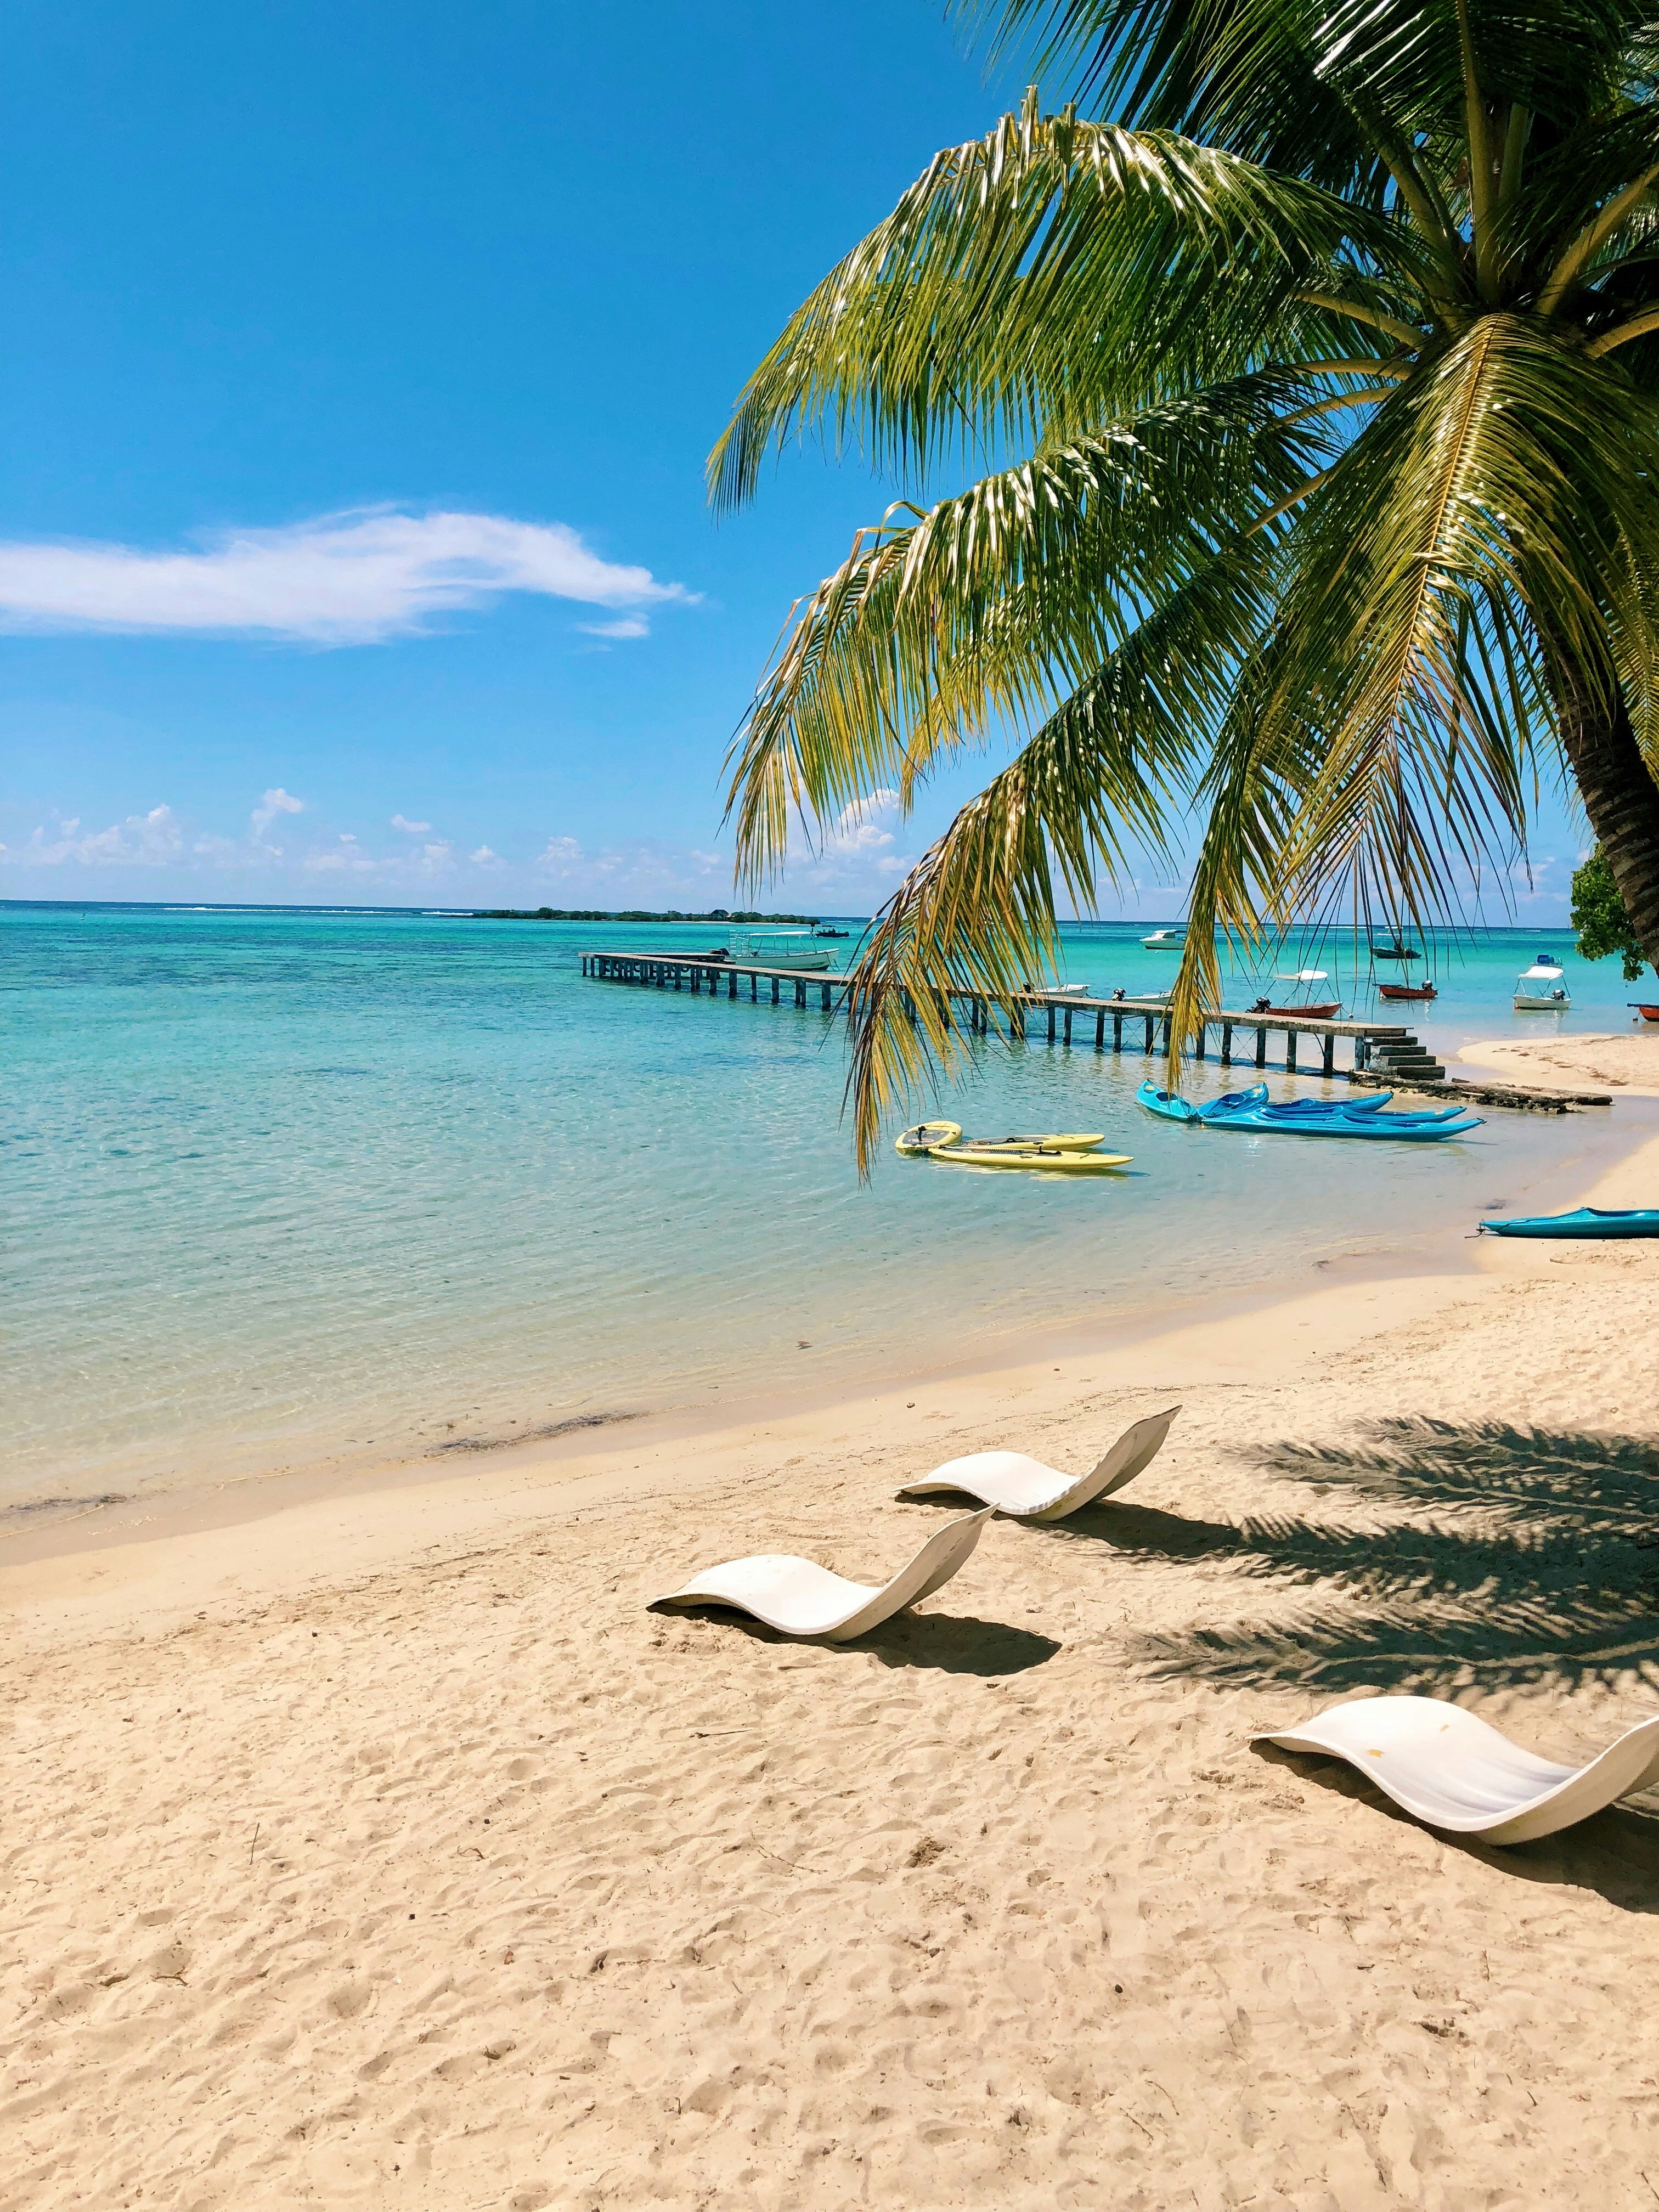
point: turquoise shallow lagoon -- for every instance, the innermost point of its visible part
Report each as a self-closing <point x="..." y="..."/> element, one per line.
<point x="285" y="1185"/>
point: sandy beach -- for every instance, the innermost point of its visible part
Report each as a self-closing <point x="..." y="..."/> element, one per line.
<point x="384" y="1849"/>
<point x="1627" y="1061"/>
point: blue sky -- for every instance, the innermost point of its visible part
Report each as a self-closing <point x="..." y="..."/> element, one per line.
<point x="316" y="309"/>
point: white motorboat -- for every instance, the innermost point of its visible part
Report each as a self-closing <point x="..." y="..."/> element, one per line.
<point x="1165" y="940"/>
<point x="1542" y="989"/>
<point x="786" y="948"/>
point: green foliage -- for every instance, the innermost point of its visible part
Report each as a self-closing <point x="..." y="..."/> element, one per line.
<point x="1598" y="917"/>
<point x="1312" y="395"/>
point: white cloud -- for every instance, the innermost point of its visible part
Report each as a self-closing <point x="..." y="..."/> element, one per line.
<point x="853" y="829"/>
<point x="347" y="579"/>
<point x="624" y="626"/>
<point x="144" y="841"/>
<point x="344" y="857"/>
<point x="561" y="853"/>
<point x="856" y="852"/>
<point x="415" y="829"/>
<point x="852" y="869"/>
<point x="273" y="803"/>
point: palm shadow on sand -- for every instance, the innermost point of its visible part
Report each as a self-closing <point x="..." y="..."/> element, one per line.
<point x="1503" y="1556"/>
<point x="1509" y="1558"/>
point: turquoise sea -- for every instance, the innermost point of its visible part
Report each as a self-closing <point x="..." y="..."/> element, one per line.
<point x="287" y="1186"/>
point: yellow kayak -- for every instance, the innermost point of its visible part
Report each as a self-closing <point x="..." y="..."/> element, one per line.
<point x="927" y="1137"/>
<point x="1032" y="1156"/>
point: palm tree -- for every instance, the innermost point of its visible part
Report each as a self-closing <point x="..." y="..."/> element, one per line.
<point x="1315" y="400"/>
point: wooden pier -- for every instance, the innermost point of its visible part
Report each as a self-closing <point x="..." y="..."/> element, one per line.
<point x="1147" y="1022"/>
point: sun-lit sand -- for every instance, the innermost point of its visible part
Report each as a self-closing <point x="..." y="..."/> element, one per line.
<point x="1628" y="1061"/>
<point x="385" y="1850"/>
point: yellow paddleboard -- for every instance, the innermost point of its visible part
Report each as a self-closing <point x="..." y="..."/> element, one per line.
<point x="927" y="1137"/>
<point x="1032" y="1156"/>
<point x="1076" y="1142"/>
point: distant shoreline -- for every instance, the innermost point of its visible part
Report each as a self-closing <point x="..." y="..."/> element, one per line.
<point x="629" y="914"/>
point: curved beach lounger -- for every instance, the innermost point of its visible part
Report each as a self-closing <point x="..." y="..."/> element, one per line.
<point x="799" y="1599"/>
<point x="1450" y="1769"/>
<point x="1025" y="1490"/>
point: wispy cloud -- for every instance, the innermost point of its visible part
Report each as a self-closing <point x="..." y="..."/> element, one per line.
<point x="312" y="857"/>
<point x="857" y="829"/>
<point x="155" y="840"/>
<point x="856" y="848"/>
<point x="349" y="579"/>
<point x="560" y="856"/>
<point x="275" y="802"/>
<point x="624" y="626"/>
<point x="345" y="856"/>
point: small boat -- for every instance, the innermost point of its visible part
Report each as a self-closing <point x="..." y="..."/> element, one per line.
<point x="1541" y="988"/>
<point x="1648" y="1013"/>
<point x="1139" y="999"/>
<point x="1049" y="1156"/>
<point x="925" y="1137"/>
<point x="1322" y="1010"/>
<point x="1582" y="1221"/>
<point x="786" y="948"/>
<point x="719" y="953"/>
<point x="1165" y="940"/>
<point x="829" y="933"/>
<point x="1067" y="990"/>
<point x="1397" y="951"/>
<point x="1406" y="991"/>
<point x="1244" y="1110"/>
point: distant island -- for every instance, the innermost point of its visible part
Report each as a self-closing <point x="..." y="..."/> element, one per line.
<point x="630" y="913"/>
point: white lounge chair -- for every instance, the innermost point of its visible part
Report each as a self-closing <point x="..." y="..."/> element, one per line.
<point x="1026" y="1490"/>
<point x="1453" y="1771"/>
<point x="800" y="1599"/>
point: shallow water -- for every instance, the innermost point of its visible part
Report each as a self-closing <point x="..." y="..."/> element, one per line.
<point x="286" y="1185"/>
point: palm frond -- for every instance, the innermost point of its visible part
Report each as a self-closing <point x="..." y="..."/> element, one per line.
<point x="1388" y="752"/>
<point x="1239" y="75"/>
<point x="1091" y="787"/>
<point x="1043" y="280"/>
<point x="996" y="605"/>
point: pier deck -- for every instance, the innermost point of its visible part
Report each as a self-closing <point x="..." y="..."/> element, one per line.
<point x="1148" y="1021"/>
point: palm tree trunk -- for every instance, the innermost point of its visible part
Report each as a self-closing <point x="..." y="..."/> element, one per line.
<point x="1619" y="795"/>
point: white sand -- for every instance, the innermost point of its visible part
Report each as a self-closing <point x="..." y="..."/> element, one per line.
<point x="1628" y="1061"/>
<point x="385" y="1852"/>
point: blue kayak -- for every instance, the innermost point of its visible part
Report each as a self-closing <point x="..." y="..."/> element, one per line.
<point x="1313" y="1109"/>
<point x="1582" y="1221"/>
<point x="1293" y="1111"/>
<point x="1251" y="1110"/>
